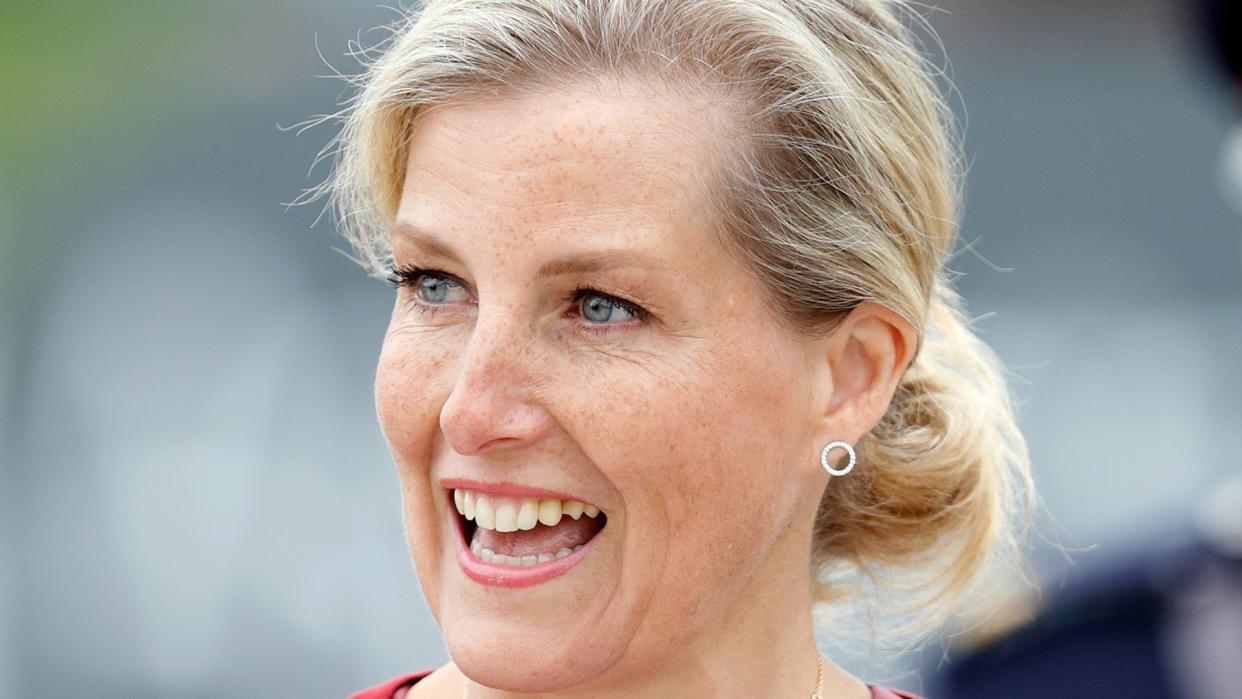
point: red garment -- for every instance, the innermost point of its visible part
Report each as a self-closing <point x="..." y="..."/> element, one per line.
<point x="396" y="688"/>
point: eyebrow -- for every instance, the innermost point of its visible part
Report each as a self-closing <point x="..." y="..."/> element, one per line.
<point x="578" y="263"/>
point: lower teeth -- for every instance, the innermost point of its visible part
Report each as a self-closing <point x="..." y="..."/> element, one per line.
<point x="489" y="556"/>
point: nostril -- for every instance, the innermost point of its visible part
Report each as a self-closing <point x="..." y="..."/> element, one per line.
<point x="478" y="418"/>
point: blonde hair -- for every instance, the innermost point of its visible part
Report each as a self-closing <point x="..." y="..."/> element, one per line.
<point x="841" y="189"/>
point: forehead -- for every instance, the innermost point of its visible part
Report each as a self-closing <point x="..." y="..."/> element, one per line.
<point x="564" y="164"/>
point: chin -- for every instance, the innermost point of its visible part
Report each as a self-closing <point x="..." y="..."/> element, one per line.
<point x="546" y="627"/>
<point x="514" y="661"/>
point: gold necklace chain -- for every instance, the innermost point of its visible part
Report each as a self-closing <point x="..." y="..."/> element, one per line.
<point x="819" y="677"/>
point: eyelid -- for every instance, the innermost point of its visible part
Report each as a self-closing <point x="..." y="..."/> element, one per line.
<point x="406" y="275"/>
<point x="638" y="312"/>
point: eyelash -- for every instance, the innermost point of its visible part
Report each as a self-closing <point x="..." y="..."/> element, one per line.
<point x="407" y="276"/>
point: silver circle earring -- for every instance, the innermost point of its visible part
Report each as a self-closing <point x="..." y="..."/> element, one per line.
<point x="823" y="458"/>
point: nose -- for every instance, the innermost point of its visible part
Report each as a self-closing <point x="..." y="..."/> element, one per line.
<point x="492" y="406"/>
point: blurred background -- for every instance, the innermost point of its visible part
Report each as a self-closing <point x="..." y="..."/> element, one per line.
<point x="196" y="501"/>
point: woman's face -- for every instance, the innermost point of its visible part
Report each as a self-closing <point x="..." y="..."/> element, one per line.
<point x="569" y="329"/>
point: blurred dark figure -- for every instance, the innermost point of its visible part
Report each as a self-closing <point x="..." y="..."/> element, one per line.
<point x="1159" y="622"/>
<point x="1221" y="23"/>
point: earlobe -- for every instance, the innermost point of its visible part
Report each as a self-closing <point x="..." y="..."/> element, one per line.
<point x="866" y="355"/>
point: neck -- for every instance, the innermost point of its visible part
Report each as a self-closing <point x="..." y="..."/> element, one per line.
<point x="765" y="647"/>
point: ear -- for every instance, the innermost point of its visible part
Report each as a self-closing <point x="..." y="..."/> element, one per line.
<point x="860" y="364"/>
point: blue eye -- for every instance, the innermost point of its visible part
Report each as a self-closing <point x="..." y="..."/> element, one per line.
<point x="600" y="308"/>
<point x="430" y="286"/>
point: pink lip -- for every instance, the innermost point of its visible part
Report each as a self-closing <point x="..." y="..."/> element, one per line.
<point x="510" y="576"/>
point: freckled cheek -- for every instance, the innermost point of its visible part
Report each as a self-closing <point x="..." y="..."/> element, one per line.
<point x="652" y="433"/>
<point x="406" y="380"/>
<point x="697" y="458"/>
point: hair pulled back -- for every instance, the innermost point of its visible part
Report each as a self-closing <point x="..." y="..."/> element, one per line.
<point x="838" y="187"/>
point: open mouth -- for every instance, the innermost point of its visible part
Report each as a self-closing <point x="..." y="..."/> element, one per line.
<point x="524" y="532"/>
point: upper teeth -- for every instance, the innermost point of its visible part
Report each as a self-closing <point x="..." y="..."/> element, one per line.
<point x="512" y="514"/>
